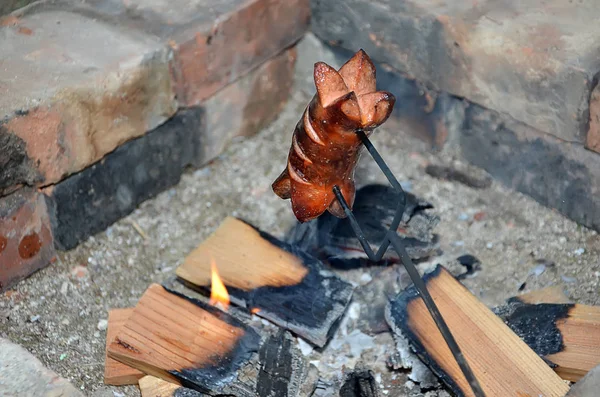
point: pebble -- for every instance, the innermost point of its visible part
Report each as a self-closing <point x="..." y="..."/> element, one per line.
<point x="579" y="251"/>
<point x="64" y="288"/>
<point x="538" y="270"/>
<point x="79" y="272"/>
<point x="34" y="319"/>
<point x="489" y="246"/>
<point x="96" y="334"/>
<point x="365" y="278"/>
<point x="65" y="321"/>
<point x="463" y="217"/>
<point x="305" y="348"/>
<point x="102" y="325"/>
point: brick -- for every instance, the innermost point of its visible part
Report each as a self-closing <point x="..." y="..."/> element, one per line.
<point x="26" y="242"/>
<point x="534" y="62"/>
<point x="72" y="98"/>
<point x="88" y="202"/>
<point x="593" y="135"/>
<point x="558" y="174"/>
<point x="248" y="105"/>
<point x="214" y="42"/>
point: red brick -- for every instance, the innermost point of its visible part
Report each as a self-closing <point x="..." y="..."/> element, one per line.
<point x="74" y="97"/>
<point x="238" y="41"/>
<point x="248" y="105"/>
<point x="26" y="242"/>
<point x="593" y="135"/>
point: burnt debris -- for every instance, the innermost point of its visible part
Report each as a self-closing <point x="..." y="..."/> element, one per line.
<point x="332" y="239"/>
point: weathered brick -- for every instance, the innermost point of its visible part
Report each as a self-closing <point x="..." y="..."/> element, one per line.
<point x="593" y="135"/>
<point x="91" y="200"/>
<point x="214" y="42"/>
<point x="558" y="174"/>
<point x="535" y="62"/>
<point x="78" y="88"/>
<point x="26" y="243"/>
<point x="88" y="202"/>
<point x="248" y="105"/>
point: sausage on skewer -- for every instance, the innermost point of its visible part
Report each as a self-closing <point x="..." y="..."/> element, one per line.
<point x="325" y="146"/>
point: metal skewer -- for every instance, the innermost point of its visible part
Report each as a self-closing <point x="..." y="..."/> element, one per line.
<point x="393" y="239"/>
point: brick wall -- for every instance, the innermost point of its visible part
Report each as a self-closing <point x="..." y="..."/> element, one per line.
<point x="90" y="91"/>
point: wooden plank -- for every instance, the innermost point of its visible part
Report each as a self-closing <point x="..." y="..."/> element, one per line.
<point x="501" y="361"/>
<point x="552" y="294"/>
<point x="276" y="280"/>
<point x="566" y="335"/>
<point x="151" y="386"/>
<point x="182" y="340"/>
<point x="116" y="373"/>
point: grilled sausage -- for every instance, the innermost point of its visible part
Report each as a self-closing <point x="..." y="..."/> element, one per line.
<point x="325" y="146"/>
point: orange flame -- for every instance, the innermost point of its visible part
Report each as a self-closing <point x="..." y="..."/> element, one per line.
<point x="218" y="292"/>
<point x="254" y="310"/>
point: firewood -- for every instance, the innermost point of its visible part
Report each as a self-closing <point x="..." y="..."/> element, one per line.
<point x="116" y="373"/>
<point x="274" y="279"/>
<point x="566" y="335"/>
<point x="151" y="386"/>
<point x="501" y="361"/>
<point x="553" y="294"/>
<point x="184" y="341"/>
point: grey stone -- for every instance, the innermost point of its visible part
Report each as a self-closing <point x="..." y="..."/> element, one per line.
<point x="588" y="386"/>
<point x="535" y="62"/>
<point x="21" y="374"/>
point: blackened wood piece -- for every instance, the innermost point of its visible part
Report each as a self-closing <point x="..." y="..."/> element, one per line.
<point x="185" y="341"/>
<point x="503" y="363"/>
<point x="567" y="336"/>
<point x="285" y="284"/>
<point x="333" y="239"/>
<point x="283" y="371"/>
<point x="359" y="383"/>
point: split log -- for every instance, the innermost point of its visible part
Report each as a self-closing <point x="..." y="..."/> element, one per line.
<point x="187" y="342"/>
<point x="151" y="386"/>
<point x="275" y="279"/>
<point x="566" y="335"/>
<point x="501" y="361"/>
<point x="333" y="239"/>
<point x="115" y="372"/>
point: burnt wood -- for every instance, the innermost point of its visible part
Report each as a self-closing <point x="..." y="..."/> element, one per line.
<point x="566" y="335"/>
<point x="275" y="279"/>
<point x="501" y="361"/>
<point x="333" y="239"/>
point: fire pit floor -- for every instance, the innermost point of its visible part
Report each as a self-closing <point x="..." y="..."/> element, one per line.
<point x="59" y="314"/>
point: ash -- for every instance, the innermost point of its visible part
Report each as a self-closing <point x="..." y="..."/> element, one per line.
<point x="59" y="313"/>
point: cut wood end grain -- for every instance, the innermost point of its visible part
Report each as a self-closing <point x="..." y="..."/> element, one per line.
<point x="503" y="363"/>
<point x="116" y="373"/>
<point x="151" y="386"/>
<point x="179" y="339"/>
<point x="245" y="259"/>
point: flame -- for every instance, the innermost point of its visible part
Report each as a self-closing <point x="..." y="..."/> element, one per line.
<point x="218" y="292"/>
<point x="254" y="310"/>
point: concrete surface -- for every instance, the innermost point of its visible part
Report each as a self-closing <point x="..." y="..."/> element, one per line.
<point x="58" y="313"/>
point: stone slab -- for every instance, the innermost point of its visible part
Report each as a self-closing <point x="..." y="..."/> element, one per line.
<point x="535" y="62"/>
<point x="26" y="242"/>
<point x="23" y="375"/>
